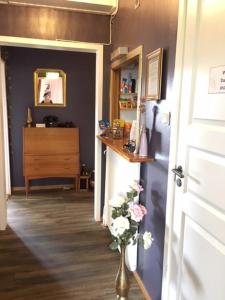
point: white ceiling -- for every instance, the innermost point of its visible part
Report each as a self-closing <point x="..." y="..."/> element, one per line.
<point x="92" y="6"/>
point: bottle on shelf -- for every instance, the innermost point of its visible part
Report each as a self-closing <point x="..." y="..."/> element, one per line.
<point x="129" y="83"/>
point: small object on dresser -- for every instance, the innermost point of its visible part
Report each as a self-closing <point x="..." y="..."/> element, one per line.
<point x="51" y="121"/>
<point x="29" y="117"/>
<point x="66" y="125"/>
<point x="40" y="125"/>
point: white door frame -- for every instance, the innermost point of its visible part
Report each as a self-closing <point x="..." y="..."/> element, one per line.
<point x="76" y="47"/>
<point x="167" y="261"/>
<point x="3" y="197"/>
<point x="5" y="127"/>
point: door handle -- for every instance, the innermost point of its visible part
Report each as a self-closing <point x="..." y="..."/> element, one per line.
<point x="178" y="172"/>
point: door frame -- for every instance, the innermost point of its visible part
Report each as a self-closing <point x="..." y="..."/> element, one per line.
<point x="76" y="47"/>
<point x="175" y="112"/>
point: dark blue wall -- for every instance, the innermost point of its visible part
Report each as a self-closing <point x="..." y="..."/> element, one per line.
<point x="80" y="109"/>
<point x="152" y="25"/>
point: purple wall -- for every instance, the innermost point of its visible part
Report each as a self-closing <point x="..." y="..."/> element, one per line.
<point x="80" y="109"/>
<point x="152" y="25"/>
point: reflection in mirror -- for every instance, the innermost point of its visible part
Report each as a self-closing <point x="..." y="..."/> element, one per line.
<point x="50" y="88"/>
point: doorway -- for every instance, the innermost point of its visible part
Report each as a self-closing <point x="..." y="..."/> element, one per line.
<point x="76" y="47"/>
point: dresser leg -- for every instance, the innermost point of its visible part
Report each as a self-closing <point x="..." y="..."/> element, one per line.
<point x="27" y="186"/>
<point x="76" y="183"/>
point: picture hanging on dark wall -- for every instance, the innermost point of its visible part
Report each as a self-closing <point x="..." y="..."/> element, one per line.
<point x="154" y="75"/>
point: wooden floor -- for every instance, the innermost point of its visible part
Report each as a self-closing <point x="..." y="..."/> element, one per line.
<point x="53" y="249"/>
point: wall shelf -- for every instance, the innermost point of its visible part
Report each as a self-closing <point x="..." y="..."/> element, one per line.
<point x="117" y="146"/>
<point x="127" y="94"/>
<point x="135" y="108"/>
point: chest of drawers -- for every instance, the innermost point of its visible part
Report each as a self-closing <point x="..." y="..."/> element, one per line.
<point x="50" y="152"/>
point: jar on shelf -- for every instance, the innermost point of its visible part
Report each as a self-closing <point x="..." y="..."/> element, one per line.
<point x="127" y="128"/>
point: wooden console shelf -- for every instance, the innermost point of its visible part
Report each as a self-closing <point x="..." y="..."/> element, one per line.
<point x="117" y="146"/>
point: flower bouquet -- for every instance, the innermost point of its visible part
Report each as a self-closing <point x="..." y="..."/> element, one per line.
<point x="127" y="215"/>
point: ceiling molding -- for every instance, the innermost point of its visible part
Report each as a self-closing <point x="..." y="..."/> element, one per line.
<point x="107" y="7"/>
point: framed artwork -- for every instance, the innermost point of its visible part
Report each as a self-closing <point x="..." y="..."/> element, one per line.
<point x="154" y="75"/>
<point x="50" y="88"/>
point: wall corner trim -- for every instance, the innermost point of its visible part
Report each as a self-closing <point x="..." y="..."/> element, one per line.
<point x="141" y="286"/>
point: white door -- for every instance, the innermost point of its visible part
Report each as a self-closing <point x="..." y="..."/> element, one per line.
<point x="3" y="194"/>
<point x="194" y="265"/>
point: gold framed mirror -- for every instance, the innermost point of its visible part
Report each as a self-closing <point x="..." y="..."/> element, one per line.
<point x="49" y="88"/>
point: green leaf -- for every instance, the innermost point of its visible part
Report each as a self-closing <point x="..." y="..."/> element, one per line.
<point x="135" y="193"/>
<point x="130" y="196"/>
<point x="114" y="245"/>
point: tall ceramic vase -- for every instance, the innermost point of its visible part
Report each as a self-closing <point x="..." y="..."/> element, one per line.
<point x="143" y="150"/>
<point x="122" y="278"/>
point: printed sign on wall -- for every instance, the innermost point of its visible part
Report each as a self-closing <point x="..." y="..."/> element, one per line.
<point x="217" y="80"/>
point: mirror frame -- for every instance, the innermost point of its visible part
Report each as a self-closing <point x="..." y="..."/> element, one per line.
<point x="38" y="71"/>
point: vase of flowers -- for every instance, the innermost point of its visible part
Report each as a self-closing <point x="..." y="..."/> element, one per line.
<point x="122" y="277"/>
<point x="127" y="215"/>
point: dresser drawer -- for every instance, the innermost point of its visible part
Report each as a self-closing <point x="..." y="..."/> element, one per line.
<point x="51" y="165"/>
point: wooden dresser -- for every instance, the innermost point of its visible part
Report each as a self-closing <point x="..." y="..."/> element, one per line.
<point x="50" y="152"/>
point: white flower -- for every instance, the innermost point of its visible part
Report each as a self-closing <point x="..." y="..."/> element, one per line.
<point x="147" y="238"/>
<point x="117" y="201"/>
<point x="119" y="225"/>
<point x="136" y="186"/>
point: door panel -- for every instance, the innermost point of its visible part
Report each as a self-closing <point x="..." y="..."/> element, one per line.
<point x="200" y="182"/>
<point x="201" y="247"/>
<point x="198" y="230"/>
<point x="210" y="137"/>
<point x="203" y="214"/>
<point x="210" y="54"/>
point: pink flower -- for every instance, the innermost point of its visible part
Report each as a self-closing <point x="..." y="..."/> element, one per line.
<point x="137" y="212"/>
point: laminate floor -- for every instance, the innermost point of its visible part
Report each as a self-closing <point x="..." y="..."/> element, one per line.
<point x="53" y="249"/>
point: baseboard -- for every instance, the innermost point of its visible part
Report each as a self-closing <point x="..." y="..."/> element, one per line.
<point x="44" y="187"/>
<point x="141" y="286"/>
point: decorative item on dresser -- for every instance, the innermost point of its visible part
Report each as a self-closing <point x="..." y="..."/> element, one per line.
<point x="51" y="152"/>
<point x="29" y="117"/>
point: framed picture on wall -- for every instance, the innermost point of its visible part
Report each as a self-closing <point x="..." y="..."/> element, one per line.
<point x="50" y="88"/>
<point x="154" y="75"/>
